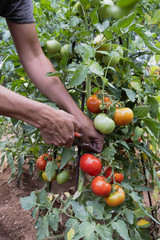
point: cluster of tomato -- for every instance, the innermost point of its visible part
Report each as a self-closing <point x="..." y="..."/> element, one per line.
<point x="102" y="122"/>
<point x="102" y="185"/>
<point x="61" y="177"/>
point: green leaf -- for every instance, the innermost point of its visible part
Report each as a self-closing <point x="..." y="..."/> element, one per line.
<point x="154" y="106"/>
<point x="87" y="52"/>
<point x="11" y="161"/>
<point x="42" y="196"/>
<point x="42" y="228"/>
<point x="29" y="202"/>
<point x="51" y="74"/>
<point x="121" y="228"/>
<point x="80" y="211"/>
<point x="104" y="232"/>
<point x="50" y="169"/>
<point x="20" y="164"/>
<point x="141" y="111"/>
<point x="123" y="23"/>
<point x="86" y="230"/>
<point x="141" y="31"/>
<point x="109" y="152"/>
<point x="97" y="208"/>
<point x="94" y="16"/>
<point x="153" y="125"/>
<point x="67" y="154"/>
<point x="94" y="67"/>
<point x="53" y="219"/>
<point x="130" y="94"/>
<point x="79" y="76"/>
<point x="129" y="215"/>
<point x="71" y="224"/>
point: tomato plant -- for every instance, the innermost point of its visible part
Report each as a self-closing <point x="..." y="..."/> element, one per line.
<point x="63" y="177"/>
<point x="116" y="198"/>
<point x="100" y="187"/>
<point x="123" y="116"/>
<point x="90" y="164"/>
<point x="104" y="124"/>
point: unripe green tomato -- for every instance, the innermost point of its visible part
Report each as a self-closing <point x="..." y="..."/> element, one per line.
<point x="120" y="51"/>
<point x="53" y="46"/>
<point x="78" y="7"/>
<point x="65" y="50"/>
<point x="63" y="177"/>
<point x="112" y="59"/>
<point x="104" y="10"/>
<point x="104" y="124"/>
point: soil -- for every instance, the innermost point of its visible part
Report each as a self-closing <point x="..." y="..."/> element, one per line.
<point x="16" y="223"/>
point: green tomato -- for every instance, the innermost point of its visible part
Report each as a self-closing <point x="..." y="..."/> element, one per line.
<point x="65" y="50"/>
<point x="104" y="10"/>
<point x="63" y="177"/>
<point x="104" y="124"/>
<point x="53" y="46"/>
<point x="112" y="59"/>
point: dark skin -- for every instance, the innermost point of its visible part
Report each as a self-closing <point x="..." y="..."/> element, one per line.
<point x="56" y="126"/>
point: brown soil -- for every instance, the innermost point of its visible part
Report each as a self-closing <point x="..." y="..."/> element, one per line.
<point x="16" y="223"/>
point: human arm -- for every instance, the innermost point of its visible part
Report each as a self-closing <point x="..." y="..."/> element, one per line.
<point x="36" y="66"/>
<point x="56" y="127"/>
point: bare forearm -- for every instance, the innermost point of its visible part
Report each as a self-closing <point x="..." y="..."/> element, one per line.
<point x="16" y="106"/>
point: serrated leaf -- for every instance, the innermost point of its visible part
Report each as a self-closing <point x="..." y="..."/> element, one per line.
<point x="42" y="228"/>
<point x="104" y="232"/>
<point x="11" y="161"/>
<point x="130" y="94"/>
<point x="94" y="16"/>
<point x="123" y="23"/>
<point x="79" y="76"/>
<point x="141" y="111"/>
<point x="94" y="67"/>
<point x="80" y="211"/>
<point x="53" y="219"/>
<point x="121" y="228"/>
<point x="42" y="196"/>
<point x="50" y="169"/>
<point x="141" y="31"/>
<point x="97" y="209"/>
<point x="67" y="154"/>
<point x="109" y="152"/>
<point x="153" y="125"/>
<point x="154" y="106"/>
<point x="87" y="52"/>
<point x="29" y="202"/>
<point x="129" y="215"/>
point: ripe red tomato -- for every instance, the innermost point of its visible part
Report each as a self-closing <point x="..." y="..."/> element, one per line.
<point x="42" y="161"/>
<point x="100" y="187"/>
<point x="90" y="164"/>
<point x="118" y="177"/>
<point x="93" y="104"/>
<point x="123" y="116"/>
<point x="116" y="198"/>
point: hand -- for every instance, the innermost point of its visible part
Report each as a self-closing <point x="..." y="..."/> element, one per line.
<point x="92" y="140"/>
<point x="58" y="127"/>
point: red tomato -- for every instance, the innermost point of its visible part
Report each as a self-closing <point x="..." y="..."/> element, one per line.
<point x="100" y="187"/>
<point x="116" y="198"/>
<point x="123" y="116"/>
<point x="90" y="164"/>
<point x="118" y="177"/>
<point x="42" y="161"/>
<point x="93" y="104"/>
